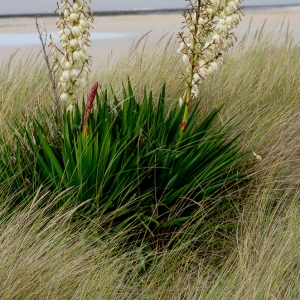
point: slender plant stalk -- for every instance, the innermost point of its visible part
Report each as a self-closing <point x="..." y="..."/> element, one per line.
<point x="50" y="73"/>
<point x="188" y="93"/>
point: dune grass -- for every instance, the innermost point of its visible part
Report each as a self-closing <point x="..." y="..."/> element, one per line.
<point x="45" y="254"/>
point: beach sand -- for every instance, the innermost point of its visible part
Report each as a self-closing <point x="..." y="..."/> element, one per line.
<point x="139" y="25"/>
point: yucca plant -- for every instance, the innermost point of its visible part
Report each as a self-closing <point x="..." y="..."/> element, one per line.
<point x="125" y="157"/>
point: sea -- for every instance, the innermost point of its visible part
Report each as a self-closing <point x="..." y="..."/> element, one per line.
<point x="21" y="7"/>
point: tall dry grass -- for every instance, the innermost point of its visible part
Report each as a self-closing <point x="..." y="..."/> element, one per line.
<point x="47" y="256"/>
<point x="24" y="86"/>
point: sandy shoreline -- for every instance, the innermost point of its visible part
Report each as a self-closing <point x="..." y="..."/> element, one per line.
<point x="137" y="26"/>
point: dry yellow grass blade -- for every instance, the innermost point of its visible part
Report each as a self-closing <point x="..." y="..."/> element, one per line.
<point x="259" y="90"/>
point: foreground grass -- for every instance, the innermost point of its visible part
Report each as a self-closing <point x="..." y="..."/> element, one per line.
<point x="49" y="256"/>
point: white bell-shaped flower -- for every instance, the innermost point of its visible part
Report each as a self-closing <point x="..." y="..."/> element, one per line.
<point x="73" y="43"/>
<point x="64" y="97"/>
<point x="76" y="55"/>
<point x="68" y="65"/>
<point x="66" y="75"/>
<point x="75" y="8"/>
<point x="76" y="31"/>
<point x="185" y="58"/>
<point x="74" y="73"/>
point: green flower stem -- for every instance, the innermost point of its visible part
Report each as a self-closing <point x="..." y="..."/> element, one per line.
<point x="188" y="92"/>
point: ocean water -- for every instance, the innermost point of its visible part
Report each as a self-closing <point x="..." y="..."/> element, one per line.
<point x="31" y="38"/>
<point x="48" y="6"/>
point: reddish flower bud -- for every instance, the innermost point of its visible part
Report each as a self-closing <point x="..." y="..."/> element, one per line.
<point x="89" y="106"/>
<point x="183" y="126"/>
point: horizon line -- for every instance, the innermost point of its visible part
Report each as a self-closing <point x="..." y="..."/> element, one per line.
<point x="143" y="11"/>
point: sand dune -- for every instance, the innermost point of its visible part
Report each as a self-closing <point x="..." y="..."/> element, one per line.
<point x="138" y="25"/>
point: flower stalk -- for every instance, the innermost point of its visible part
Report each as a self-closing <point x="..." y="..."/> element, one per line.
<point x="208" y="25"/>
<point x="50" y="72"/>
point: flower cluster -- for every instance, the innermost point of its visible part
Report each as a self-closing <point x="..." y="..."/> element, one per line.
<point x="71" y="59"/>
<point x="209" y="24"/>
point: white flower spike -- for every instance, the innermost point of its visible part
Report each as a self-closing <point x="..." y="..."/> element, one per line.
<point x="208" y="25"/>
<point x="74" y="23"/>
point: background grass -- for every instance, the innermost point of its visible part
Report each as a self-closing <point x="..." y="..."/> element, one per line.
<point x="49" y="256"/>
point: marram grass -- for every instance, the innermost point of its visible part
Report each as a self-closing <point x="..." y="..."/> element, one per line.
<point x="44" y="256"/>
<point x="48" y="256"/>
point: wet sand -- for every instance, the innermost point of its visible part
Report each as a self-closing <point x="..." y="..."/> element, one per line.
<point x="138" y="25"/>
